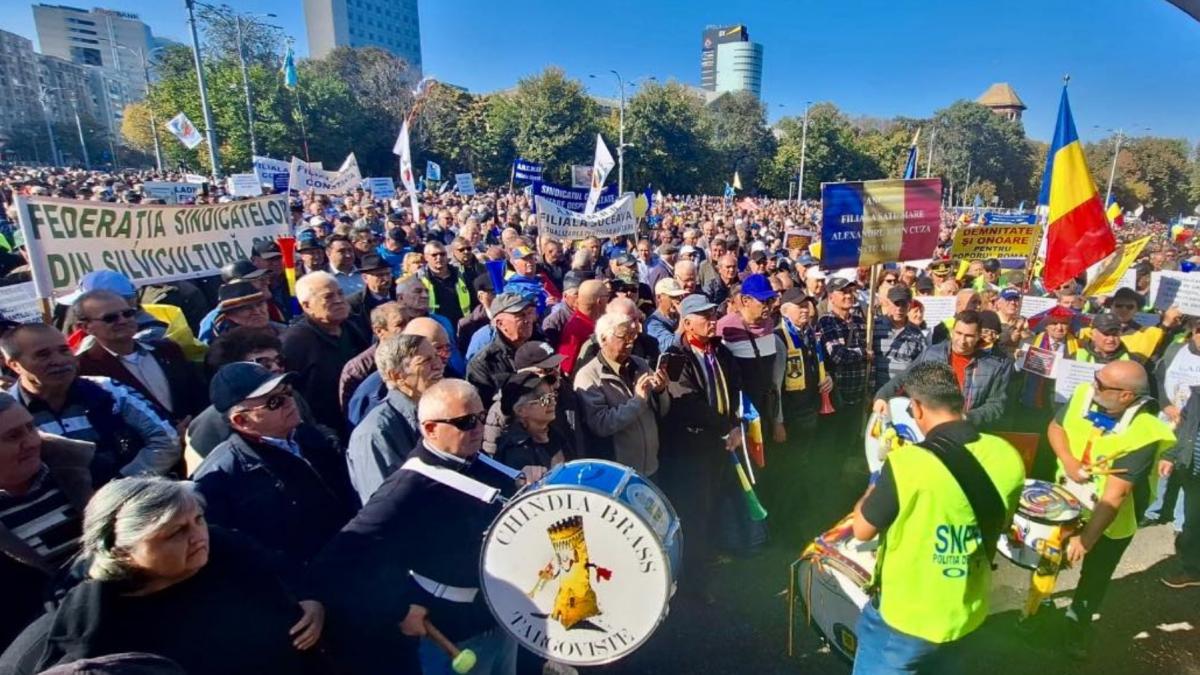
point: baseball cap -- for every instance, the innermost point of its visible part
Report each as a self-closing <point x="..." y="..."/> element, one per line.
<point x="536" y="354"/>
<point x="687" y="249"/>
<point x="924" y="286"/>
<point x="792" y="296"/>
<point x="669" y="287"/>
<point x="990" y="320"/>
<point x="757" y="287"/>
<point x="815" y="274"/>
<point x="483" y="282"/>
<point x="625" y="259"/>
<point x="101" y="280"/>
<point x="1108" y="324"/>
<point x="242" y="269"/>
<point x="840" y="284"/>
<point x="574" y="279"/>
<point x="518" y="389"/>
<point x="317" y="221"/>
<point x="991" y="265"/>
<point x="806" y="260"/>
<point x="695" y="304"/>
<point x="759" y="256"/>
<point x="236" y="382"/>
<point x="266" y="249"/>
<point x="1010" y="294"/>
<point x="899" y="293"/>
<point x="521" y="252"/>
<point x="508" y="302"/>
<point x="668" y="249"/>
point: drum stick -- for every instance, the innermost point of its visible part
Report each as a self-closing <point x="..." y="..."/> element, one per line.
<point x="461" y="661"/>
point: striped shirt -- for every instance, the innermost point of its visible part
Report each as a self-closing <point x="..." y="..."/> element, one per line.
<point x="43" y="518"/>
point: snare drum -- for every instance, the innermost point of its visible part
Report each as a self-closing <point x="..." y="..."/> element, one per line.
<point x="832" y="576"/>
<point x="878" y="442"/>
<point x="1046" y="513"/>
<point x="580" y="566"/>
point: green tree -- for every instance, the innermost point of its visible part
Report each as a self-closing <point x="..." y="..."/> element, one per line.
<point x="975" y="144"/>
<point x="556" y="122"/>
<point x="1151" y="171"/>
<point x="834" y="152"/>
<point x="669" y="131"/>
<point x="740" y="138"/>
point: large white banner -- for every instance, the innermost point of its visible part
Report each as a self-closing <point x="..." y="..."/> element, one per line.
<point x="305" y="177"/>
<point x="68" y="238"/>
<point x="556" y="221"/>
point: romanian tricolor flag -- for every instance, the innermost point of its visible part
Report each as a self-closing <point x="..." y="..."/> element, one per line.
<point x="753" y="434"/>
<point x="1078" y="233"/>
<point x="879" y="221"/>
<point x="1115" y="215"/>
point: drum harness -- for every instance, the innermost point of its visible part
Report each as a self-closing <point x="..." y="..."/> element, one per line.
<point x="470" y="487"/>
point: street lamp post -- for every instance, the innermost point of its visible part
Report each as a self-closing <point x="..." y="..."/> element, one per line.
<point x="210" y="130"/>
<point x="621" y="144"/>
<point x="1118" y="138"/>
<point x="87" y="163"/>
<point x="929" y="159"/>
<point x="143" y="57"/>
<point x="803" y="151"/>
<point x="43" y="97"/>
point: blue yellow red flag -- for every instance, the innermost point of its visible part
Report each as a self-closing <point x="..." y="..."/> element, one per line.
<point x="1078" y="233"/>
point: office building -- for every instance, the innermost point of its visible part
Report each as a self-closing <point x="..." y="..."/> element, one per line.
<point x="393" y="25"/>
<point x="739" y="67"/>
<point x="109" y="42"/>
<point x="729" y="61"/>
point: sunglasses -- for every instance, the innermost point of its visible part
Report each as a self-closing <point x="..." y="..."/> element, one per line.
<point x="274" y="401"/>
<point x="1101" y="387"/>
<point x="113" y="317"/>
<point x="464" y="422"/>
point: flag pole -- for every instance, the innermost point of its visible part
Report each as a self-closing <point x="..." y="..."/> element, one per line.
<point x="871" y="307"/>
<point x="300" y="119"/>
<point x="512" y="176"/>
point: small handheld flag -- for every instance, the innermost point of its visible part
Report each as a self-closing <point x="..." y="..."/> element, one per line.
<point x="737" y="181"/>
<point x="910" y="167"/>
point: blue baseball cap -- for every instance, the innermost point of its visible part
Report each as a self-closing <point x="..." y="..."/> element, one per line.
<point x="1010" y="294"/>
<point x="757" y="287"/>
<point x="695" y="304"/>
<point x="101" y="280"/>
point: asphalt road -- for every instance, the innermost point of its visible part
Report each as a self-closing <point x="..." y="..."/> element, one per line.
<point x="1141" y="628"/>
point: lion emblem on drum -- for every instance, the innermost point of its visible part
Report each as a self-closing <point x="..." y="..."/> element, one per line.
<point x="575" y="601"/>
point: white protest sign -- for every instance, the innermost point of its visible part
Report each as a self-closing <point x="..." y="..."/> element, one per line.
<point x="465" y="183"/>
<point x="171" y="193"/>
<point x="937" y="308"/>
<point x="555" y="221"/>
<point x="305" y="177"/>
<point x="380" y="187"/>
<point x="1032" y="305"/>
<point x="1176" y="289"/>
<point x="195" y="178"/>
<point x="243" y="185"/>
<point x="273" y="172"/>
<point x="67" y="238"/>
<point x="1069" y="374"/>
<point x="19" y="303"/>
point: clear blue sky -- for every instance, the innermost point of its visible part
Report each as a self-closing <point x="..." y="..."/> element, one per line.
<point x="1133" y="63"/>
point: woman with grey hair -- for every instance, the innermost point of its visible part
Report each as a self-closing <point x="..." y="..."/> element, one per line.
<point x="159" y="581"/>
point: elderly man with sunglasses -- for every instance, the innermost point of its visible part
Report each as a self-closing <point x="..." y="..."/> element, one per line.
<point x="156" y="369"/>
<point x="275" y="479"/>
<point x="412" y="552"/>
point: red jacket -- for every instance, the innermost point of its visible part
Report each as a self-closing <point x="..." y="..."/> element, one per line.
<point x="577" y="331"/>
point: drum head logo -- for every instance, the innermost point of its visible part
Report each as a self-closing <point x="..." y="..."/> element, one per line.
<point x="575" y="575"/>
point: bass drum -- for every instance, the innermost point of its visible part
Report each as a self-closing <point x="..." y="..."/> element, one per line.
<point x="832" y="576"/>
<point x="884" y="431"/>
<point x="580" y="567"/>
<point x="1046" y="515"/>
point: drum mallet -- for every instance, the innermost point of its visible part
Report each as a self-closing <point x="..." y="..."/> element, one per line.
<point x="461" y="660"/>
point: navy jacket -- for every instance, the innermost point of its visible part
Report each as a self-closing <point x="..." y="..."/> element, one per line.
<point x="287" y="504"/>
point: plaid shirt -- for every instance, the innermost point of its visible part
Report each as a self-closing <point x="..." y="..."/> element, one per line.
<point x="845" y="345"/>
<point x="895" y="349"/>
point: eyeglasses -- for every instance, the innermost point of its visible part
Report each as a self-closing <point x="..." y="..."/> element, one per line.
<point x="464" y="422"/>
<point x="274" y="401"/>
<point x="1124" y="305"/>
<point x="113" y="317"/>
<point x="270" y="361"/>
<point x="548" y="399"/>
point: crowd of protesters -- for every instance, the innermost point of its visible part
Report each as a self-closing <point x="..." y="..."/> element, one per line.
<point x="209" y="471"/>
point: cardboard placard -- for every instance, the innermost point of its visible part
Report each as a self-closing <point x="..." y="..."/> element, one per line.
<point x="1069" y="374"/>
<point x="1176" y="289"/>
<point x="1032" y="305"/>
<point x="937" y="308"/>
